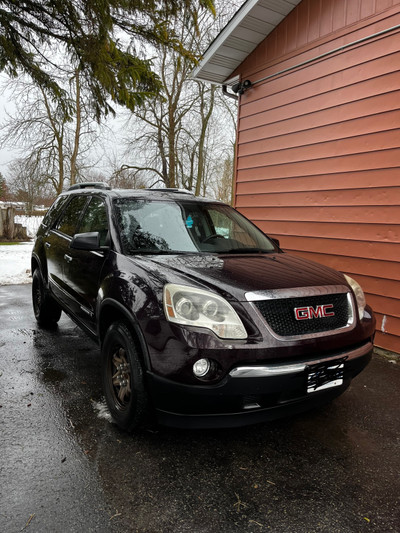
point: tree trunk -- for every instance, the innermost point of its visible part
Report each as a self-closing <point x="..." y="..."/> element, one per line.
<point x="78" y="123"/>
<point x="9" y="224"/>
<point x="171" y="150"/>
<point x="202" y="139"/>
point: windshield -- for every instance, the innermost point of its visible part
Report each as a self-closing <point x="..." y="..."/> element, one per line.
<point x="149" y="226"/>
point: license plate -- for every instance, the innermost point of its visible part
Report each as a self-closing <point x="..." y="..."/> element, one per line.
<point x="325" y="376"/>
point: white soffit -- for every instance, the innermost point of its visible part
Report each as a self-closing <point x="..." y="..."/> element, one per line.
<point x="246" y="30"/>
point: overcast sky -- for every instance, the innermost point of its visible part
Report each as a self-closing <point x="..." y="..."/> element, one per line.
<point x="6" y="104"/>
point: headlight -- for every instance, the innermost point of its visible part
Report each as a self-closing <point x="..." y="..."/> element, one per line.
<point x="359" y="294"/>
<point x="194" y="307"/>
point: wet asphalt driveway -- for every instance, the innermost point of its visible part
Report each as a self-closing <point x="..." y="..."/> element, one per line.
<point x="64" y="467"/>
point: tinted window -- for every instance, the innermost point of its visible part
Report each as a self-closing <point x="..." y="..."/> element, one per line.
<point x="231" y="225"/>
<point x="54" y="211"/>
<point x="160" y="226"/>
<point x="153" y="226"/>
<point x="95" y="219"/>
<point x="220" y="228"/>
<point x="70" y="218"/>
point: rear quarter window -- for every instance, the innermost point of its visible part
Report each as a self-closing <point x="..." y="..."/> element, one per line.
<point x="54" y="211"/>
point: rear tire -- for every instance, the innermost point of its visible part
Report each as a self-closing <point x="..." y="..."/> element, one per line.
<point x="123" y="378"/>
<point x="46" y="309"/>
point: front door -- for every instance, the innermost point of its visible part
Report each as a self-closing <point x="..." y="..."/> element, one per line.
<point x="83" y="269"/>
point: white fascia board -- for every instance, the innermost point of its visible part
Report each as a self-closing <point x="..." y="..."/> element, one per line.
<point x="225" y="33"/>
<point x="246" y="30"/>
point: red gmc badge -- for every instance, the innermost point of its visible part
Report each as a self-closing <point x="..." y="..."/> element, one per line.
<point x="320" y="311"/>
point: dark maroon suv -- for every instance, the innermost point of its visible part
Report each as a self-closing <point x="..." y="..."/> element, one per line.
<point x="201" y="318"/>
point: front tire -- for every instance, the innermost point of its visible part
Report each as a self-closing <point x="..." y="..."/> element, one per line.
<point x="46" y="309"/>
<point x="123" y="378"/>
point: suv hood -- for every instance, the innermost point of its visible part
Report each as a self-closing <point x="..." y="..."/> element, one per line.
<point x="234" y="275"/>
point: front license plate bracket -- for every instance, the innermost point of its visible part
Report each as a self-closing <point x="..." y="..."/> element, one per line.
<point x="323" y="376"/>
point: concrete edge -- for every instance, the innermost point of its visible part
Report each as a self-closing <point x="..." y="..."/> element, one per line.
<point x="392" y="357"/>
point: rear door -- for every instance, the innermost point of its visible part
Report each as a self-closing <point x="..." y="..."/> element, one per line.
<point x="57" y="243"/>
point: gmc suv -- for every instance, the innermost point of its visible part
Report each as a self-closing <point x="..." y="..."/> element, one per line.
<point x="202" y="319"/>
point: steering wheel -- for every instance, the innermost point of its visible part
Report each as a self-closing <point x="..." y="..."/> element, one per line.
<point x="213" y="236"/>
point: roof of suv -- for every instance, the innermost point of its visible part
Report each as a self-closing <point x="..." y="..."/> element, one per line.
<point x="154" y="194"/>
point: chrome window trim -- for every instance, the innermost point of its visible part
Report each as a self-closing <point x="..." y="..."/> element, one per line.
<point x="301" y="292"/>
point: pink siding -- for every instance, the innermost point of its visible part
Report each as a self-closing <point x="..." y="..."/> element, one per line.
<point x="318" y="159"/>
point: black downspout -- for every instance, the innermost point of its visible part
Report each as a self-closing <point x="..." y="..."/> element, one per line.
<point x="230" y="95"/>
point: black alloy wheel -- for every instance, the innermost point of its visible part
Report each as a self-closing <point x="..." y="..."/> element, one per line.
<point x="123" y="379"/>
<point x="46" y="309"/>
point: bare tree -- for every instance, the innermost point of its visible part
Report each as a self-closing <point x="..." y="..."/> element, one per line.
<point x="125" y="178"/>
<point x="3" y="187"/>
<point x="52" y="143"/>
<point x="176" y="140"/>
<point x="222" y="187"/>
<point x="28" y="185"/>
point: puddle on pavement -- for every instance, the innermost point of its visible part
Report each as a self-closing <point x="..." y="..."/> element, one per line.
<point x="51" y="375"/>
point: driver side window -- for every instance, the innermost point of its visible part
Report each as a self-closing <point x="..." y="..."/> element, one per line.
<point x="69" y="219"/>
<point x="95" y="219"/>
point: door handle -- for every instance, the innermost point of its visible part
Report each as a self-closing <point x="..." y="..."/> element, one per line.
<point x="68" y="258"/>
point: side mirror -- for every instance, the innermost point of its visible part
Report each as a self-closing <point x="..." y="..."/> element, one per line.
<point x="275" y="241"/>
<point x="86" y="241"/>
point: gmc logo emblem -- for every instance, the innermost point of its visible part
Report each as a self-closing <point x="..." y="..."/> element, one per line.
<point x="306" y="313"/>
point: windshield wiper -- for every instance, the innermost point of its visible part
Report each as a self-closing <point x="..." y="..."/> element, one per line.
<point x="246" y="251"/>
<point x="158" y="252"/>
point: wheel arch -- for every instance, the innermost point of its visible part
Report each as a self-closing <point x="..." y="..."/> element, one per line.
<point x="37" y="263"/>
<point x="112" y="311"/>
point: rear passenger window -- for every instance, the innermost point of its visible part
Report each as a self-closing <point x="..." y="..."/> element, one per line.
<point x="70" y="218"/>
<point x="54" y="211"/>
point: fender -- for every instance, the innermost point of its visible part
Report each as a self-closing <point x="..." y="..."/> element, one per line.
<point x="132" y="321"/>
<point x="42" y="265"/>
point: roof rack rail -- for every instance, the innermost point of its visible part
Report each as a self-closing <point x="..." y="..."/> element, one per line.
<point x="90" y="185"/>
<point x="170" y="189"/>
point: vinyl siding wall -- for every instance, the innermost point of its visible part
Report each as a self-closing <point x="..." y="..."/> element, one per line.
<point x="318" y="157"/>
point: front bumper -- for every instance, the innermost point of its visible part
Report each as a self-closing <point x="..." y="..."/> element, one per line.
<point x="251" y="394"/>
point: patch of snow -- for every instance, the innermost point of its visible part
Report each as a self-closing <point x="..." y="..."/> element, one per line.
<point x="15" y="263"/>
<point x="30" y="223"/>
<point x="101" y="410"/>
<point x="15" y="259"/>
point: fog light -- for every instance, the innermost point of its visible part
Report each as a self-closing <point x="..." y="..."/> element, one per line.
<point x="201" y="367"/>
